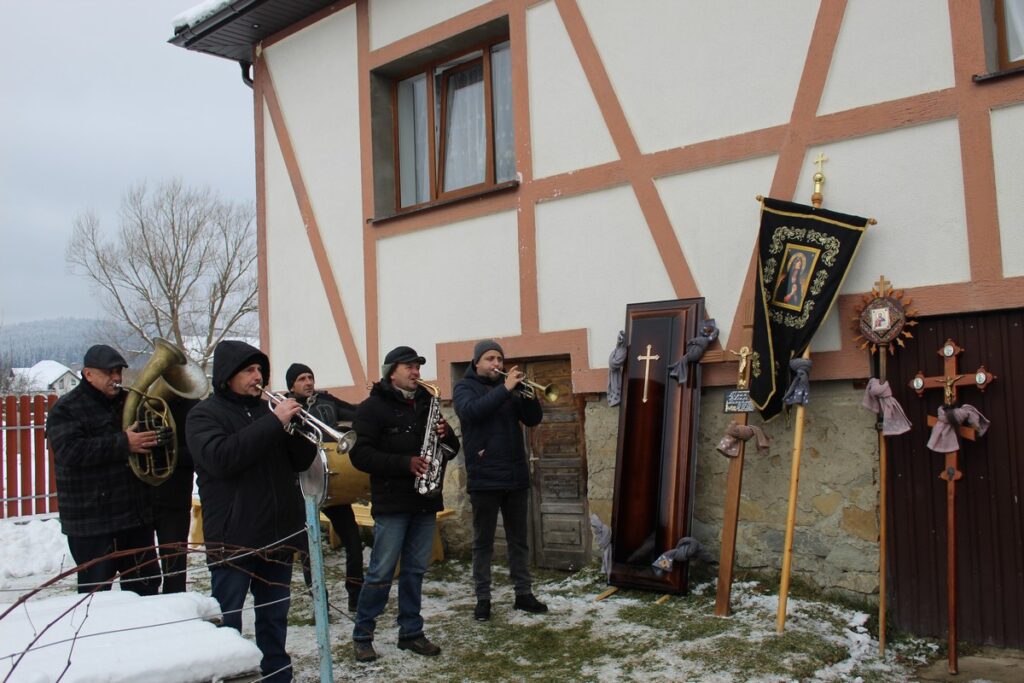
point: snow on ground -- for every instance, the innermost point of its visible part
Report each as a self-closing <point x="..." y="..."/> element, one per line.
<point x="627" y="637"/>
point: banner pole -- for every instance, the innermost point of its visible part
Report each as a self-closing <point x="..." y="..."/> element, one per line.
<point x="883" y="486"/>
<point x="794" y="484"/>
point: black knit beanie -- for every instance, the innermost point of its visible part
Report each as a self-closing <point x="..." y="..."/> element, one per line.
<point x="294" y="370"/>
<point x="483" y="347"/>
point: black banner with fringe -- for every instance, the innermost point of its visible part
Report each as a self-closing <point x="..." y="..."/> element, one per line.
<point x="803" y="257"/>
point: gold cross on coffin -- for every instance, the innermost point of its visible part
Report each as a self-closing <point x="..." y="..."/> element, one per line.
<point x="647" y="369"/>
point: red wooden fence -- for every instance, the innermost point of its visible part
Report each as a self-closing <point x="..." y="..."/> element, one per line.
<point x="27" y="479"/>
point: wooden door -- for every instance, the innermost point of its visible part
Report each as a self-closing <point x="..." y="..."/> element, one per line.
<point x="558" y="473"/>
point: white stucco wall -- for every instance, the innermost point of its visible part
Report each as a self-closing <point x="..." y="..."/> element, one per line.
<point x="323" y="123"/>
<point x="715" y="219"/>
<point x="1008" y="150"/>
<point x="595" y="254"/>
<point x="566" y="126"/>
<point x="391" y="20"/>
<point x="691" y="71"/>
<point x="911" y="181"/>
<point x="887" y="50"/>
<point x="301" y="326"/>
<point x="456" y="282"/>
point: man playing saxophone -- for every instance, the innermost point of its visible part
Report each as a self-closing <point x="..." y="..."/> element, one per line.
<point x="392" y="428"/>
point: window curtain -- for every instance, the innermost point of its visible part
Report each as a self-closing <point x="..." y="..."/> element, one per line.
<point x="465" y="133"/>
<point x="504" y="136"/>
<point x="414" y="172"/>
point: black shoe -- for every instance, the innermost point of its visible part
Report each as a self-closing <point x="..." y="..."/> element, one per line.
<point x="482" y="611"/>
<point x="364" y="650"/>
<point x="530" y="604"/>
<point x="420" y="646"/>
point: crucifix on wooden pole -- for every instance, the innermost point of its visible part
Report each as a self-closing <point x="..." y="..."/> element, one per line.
<point x="734" y="484"/>
<point x="949" y="381"/>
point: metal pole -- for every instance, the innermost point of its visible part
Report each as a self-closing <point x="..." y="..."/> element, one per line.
<point x="316" y="563"/>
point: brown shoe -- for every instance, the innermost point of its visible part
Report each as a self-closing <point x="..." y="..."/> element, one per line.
<point x="364" y="650"/>
<point x="420" y="646"/>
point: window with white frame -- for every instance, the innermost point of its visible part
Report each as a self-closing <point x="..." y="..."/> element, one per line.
<point x="446" y="118"/>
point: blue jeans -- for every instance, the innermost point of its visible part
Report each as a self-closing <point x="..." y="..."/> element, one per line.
<point x="269" y="580"/>
<point x="409" y="537"/>
<point x="514" y="507"/>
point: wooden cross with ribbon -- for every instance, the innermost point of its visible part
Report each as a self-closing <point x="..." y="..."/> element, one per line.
<point x="949" y="381"/>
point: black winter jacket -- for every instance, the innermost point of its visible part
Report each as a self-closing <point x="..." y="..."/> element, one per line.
<point x="389" y="433"/>
<point x="97" y="493"/>
<point x="245" y="461"/>
<point x="490" y="415"/>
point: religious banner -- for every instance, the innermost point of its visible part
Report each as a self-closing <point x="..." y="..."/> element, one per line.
<point x="804" y="254"/>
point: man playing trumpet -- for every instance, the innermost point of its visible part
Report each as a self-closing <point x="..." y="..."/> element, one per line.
<point x="246" y="459"/>
<point x="391" y="428"/>
<point x="491" y="405"/>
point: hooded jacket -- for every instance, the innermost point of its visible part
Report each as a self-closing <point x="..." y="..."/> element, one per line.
<point x="97" y="492"/>
<point x="245" y="461"/>
<point x="390" y="430"/>
<point x="490" y="415"/>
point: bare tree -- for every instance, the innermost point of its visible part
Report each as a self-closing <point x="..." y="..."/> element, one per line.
<point x="182" y="266"/>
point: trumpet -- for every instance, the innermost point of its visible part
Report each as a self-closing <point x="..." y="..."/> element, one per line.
<point x="311" y="428"/>
<point x="532" y="390"/>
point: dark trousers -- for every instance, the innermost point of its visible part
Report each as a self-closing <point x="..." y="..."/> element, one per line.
<point x="172" y="528"/>
<point x="343" y="521"/>
<point x="269" y="581"/>
<point x="139" y="571"/>
<point x="514" y="507"/>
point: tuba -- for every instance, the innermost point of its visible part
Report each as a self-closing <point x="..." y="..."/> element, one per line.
<point x="169" y="375"/>
<point x="433" y="450"/>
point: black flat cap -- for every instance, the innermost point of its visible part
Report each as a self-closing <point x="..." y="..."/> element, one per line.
<point x="403" y="354"/>
<point x="103" y="357"/>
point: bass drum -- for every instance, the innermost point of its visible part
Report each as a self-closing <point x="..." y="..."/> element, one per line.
<point x="345" y="484"/>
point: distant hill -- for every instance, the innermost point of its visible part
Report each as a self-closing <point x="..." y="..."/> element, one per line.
<point x="64" y="340"/>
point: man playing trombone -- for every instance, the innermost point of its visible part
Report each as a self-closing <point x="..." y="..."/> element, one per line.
<point x="246" y="457"/>
<point x="491" y="404"/>
<point x="392" y="433"/>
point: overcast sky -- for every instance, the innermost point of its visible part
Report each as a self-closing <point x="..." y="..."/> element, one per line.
<point x="92" y="100"/>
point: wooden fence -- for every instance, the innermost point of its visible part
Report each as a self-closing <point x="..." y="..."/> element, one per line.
<point x="27" y="479"/>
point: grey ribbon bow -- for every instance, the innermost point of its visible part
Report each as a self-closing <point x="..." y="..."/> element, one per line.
<point x="735" y="433"/>
<point x="695" y="349"/>
<point x="800" y="390"/>
<point x="944" y="434"/>
<point x="878" y="399"/>
<point x="687" y="549"/>
<point x="603" y="539"/>
<point x="615" y="362"/>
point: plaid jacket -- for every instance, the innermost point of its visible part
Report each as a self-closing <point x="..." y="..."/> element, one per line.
<point x="97" y="492"/>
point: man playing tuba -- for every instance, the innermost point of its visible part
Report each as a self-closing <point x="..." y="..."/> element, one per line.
<point x="104" y="508"/>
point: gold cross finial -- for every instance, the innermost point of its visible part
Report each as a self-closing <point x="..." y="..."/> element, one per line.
<point x="882" y="285"/>
<point x="820" y="161"/>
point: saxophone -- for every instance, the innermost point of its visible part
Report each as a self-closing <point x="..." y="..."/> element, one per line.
<point x="433" y="450"/>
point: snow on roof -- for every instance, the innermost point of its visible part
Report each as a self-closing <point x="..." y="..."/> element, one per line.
<point x="40" y="376"/>
<point x="194" y="15"/>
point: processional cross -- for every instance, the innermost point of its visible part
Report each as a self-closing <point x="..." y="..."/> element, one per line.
<point x="647" y="368"/>
<point x="948" y="382"/>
